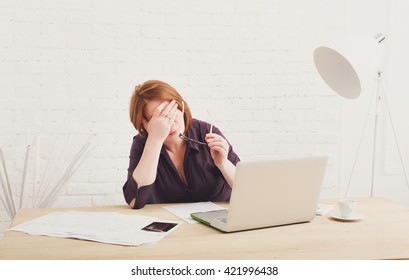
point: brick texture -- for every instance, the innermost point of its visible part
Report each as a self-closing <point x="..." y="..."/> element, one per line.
<point x="67" y="69"/>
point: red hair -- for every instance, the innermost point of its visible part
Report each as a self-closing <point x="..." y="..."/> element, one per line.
<point x="150" y="90"/>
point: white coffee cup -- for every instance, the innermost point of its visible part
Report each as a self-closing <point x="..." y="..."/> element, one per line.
<point x="346" y="207"/>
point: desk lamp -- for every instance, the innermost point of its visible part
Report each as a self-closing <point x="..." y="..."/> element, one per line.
<point x="346" y="67"/>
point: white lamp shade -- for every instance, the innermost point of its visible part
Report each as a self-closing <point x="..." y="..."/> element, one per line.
<point x="346" y="67"/>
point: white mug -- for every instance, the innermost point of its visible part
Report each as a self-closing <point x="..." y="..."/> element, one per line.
<point x="346" y="207"/>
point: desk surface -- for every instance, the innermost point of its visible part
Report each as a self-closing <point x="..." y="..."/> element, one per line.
<point x="382" y="234"/>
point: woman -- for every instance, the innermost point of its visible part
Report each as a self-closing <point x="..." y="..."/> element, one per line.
<point x="175" y="158"/>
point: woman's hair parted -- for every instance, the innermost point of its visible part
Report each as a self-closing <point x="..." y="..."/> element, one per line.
<point x="151" y="90"/>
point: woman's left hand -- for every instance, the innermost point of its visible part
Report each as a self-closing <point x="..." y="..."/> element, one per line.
<point x="219" y="148"/>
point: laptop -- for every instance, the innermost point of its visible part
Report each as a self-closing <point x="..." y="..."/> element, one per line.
<point x="270" y="193"/>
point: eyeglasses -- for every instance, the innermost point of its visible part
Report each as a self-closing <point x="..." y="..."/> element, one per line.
<point x="185" y="138"/>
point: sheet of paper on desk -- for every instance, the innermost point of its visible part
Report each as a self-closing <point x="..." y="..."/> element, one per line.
<point x="183" y="210"/>
<point x="105" y="227"/>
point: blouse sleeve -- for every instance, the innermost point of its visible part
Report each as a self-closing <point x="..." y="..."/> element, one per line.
<point x="130" y="188"/>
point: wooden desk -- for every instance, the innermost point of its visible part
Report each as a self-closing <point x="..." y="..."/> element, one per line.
<point x="382" y="234"/>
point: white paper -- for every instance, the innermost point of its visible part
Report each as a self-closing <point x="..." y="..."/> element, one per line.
<point x="105" y="227"/>
<point x="183" y="211"/>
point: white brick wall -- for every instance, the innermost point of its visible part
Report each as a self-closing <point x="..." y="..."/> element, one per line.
<point x="71" y="66"/>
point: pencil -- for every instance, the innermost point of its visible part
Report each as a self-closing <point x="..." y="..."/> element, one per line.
<point x="211" y="122"/>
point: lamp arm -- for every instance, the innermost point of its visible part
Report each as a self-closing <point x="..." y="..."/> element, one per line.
<point x="359" y="147"/>
<point x="394" y="134"/>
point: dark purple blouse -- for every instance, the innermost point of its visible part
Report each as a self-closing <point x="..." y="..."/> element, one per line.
<point x="205" y="181"/>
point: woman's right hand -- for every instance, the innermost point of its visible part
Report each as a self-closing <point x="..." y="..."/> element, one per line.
<point x="160" y="124"/>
